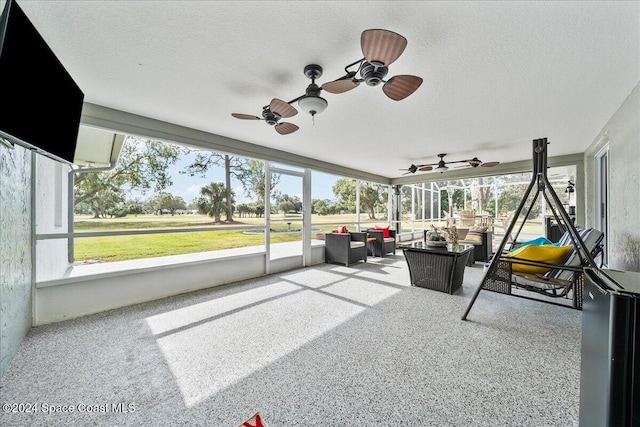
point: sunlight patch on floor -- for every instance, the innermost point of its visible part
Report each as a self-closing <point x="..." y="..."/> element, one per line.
<point x="363" y="292"/>
<point x="209" y="357"/>
<point x="185" y="316"/>
<point x="316" y="279"/>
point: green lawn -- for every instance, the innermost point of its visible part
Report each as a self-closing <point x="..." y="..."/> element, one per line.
<point x="121" y="248"/>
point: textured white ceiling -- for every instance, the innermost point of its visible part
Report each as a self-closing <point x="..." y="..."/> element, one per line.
<point x="496" y="74"/>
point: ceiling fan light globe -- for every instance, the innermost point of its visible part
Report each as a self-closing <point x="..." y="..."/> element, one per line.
<point x="442" y="168"/>
<point x="313" y="104"/>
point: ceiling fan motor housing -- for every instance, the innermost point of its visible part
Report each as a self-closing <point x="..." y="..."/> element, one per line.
<point x="313" y="90"/>
<point x="270" y="117"/>
<point x="475" y="162"/>
<point x="373" y="72"/>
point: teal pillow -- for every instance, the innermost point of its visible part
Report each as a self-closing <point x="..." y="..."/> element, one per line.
<point x="537" y="241"/>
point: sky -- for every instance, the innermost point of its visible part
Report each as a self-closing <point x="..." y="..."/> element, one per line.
<point x="188" y="187"/>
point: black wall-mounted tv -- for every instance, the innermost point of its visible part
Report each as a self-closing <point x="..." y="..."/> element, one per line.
<point x="40" y="104"/>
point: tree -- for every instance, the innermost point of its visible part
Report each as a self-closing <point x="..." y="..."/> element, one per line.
<point x="119" y="211"/>
<point x="254" y="180"/>
<point x="345" y="191"/>
<point x="258" y="208"/>
<point x="233" y="166"/>
<point x="135" y="208"/>
<point x="296" y="203"/>
<point x="510" y="198"/>
<point x="484" y="193"/>
<point x="167" y="201"/>
<point x="406" y="191"/>
<point x="457" y="198"/>
<point x="142" y="166"/>
<point x="105" y="195"/>
<point x="250" y="173"/>
<point x="372" y="196"/>
<point x="286" y="206"/>
<point x="322" y="207"/>
<point x="213" y="201"/>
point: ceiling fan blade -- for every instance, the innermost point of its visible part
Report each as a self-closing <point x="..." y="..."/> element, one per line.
<point x="245" y="116"/>
<point x="285" y="128"/>
<point x="490" y="164"/>
<point x="407" y="173"/>
<point x="399" y="87"/>
<point x="340" y="86"/>
<point x="425" y="168"/>
<point x="282" y="109"/>
<point x="382" y="45"/>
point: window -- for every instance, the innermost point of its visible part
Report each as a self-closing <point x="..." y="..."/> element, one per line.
<point x="601" y="209"/>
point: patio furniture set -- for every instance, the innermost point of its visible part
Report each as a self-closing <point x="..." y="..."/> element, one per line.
<point x="555" y="270"/>
<point x="350" y="247"/>
<point x="437" y="268"/>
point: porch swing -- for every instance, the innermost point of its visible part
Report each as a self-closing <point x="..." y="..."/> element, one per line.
<point x="512" y="269"/>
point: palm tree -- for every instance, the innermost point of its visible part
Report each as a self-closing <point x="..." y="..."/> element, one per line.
<point x="214" y="200"/>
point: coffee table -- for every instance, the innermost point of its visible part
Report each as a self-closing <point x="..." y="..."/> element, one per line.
<point x="437" y="268"/>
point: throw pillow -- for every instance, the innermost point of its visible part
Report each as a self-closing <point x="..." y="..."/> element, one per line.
<point x="254" y="421"/>
<point x="385" y="231"/>
<point x="539" y="241"/>
<point x="475" y="234"/>
<point x="342" y="230"/>
<point x="549" y="254"/>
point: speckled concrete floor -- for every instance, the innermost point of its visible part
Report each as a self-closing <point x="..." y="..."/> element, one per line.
<point x="324" y="346"/>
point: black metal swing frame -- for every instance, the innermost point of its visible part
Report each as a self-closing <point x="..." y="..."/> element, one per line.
<point x="499" y="276"/>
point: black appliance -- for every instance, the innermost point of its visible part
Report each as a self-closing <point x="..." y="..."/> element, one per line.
<point x="41" y="104"/>
<point x="552" y="229"/>
<point x="610" y="364"/>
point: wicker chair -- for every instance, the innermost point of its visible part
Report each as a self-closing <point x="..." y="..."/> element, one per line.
<point x="345" y="248"/>
<point x="481" y="250"/>
<point x="382" y="245"/>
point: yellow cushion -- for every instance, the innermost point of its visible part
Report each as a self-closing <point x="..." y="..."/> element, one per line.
<point x="549" y="254"/>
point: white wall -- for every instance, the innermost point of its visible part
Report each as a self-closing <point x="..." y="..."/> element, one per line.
<point x="15" y="251"/>
<point x="79" y="296"/>
<point x="140" y="280"/>
<point x="51" y="217"/>
<point x="622" y="132"/>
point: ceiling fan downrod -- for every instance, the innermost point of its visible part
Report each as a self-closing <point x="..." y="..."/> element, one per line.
<point x="312" y="103"/>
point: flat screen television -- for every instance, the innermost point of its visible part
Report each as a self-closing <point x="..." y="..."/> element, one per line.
<point x="40" y="104"/>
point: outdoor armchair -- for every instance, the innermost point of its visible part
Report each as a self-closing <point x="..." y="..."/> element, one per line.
<point x="382" y="245"/>
<point x="482" y="241"/>
<point x="345" y="248"/>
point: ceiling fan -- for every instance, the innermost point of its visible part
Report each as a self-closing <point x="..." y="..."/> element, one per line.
<point x="380" y="49"/>
<point x="272" y="114"/>
<point x="441" y="165"/>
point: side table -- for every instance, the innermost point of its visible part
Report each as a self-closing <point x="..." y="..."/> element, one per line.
<point x="373" y="247"/>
